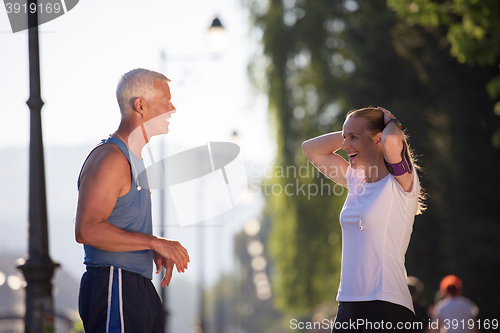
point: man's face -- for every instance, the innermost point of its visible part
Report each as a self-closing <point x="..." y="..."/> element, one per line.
<point x="159" y="110"/>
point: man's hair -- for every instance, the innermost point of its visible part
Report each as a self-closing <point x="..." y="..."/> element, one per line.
<point x="138" y="82"/>
<point x="451" y="284"/>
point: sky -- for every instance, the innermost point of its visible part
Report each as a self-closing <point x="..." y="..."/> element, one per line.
<point x="83" y="54"/>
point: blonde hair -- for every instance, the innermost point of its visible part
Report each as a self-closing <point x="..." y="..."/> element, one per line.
<point x="136" y="83"/>
<point x="375" y="123"/>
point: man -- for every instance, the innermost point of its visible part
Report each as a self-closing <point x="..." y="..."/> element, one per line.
<point x="419" y="305"/>
<point x="454" y="313"/>
<point x="113" y="216"/>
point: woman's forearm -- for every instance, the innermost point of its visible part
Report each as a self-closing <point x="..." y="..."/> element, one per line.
<point x="392" y="132"/>
<point x="323" y="144"/>
<point x="392" y="143"/>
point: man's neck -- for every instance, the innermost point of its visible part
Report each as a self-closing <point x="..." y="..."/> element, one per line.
<point x="132" y="135"/>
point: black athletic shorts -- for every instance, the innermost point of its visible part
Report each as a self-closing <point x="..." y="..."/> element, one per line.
<point x="373" y="316"/>
<point x="115" y="300"/>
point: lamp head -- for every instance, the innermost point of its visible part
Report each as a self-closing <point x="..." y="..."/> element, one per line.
<point x="216" y="38"/>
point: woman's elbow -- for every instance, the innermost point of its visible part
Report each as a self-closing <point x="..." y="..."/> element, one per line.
<point x="306" y="149"/>
<point x="392" y="140"/>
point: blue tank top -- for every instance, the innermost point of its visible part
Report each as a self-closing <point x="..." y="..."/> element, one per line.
<point x="132" y="212"/>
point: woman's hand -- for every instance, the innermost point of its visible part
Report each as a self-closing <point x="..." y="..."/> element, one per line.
<point x="387" y="115"/>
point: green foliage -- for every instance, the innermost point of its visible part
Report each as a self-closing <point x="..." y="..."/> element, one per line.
<point x="495" y="139"/>
<point x="472" y="28"/>
<point x="304" y="241"/>
<point x="493" y="87"/>
<point x="245" y="304"/>
<point x="233" y="305"/>
<point x="298" y="80"/>
<point x="77" y="327"/>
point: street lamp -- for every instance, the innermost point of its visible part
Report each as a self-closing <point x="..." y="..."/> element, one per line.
<point x="39" y="267"/>
<point x="216" y="38"/>
<point x="216" y="45"/>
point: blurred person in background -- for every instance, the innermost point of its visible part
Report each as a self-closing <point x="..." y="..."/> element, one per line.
<point x="377" y="217"/>
<point x="454" y="308"/>
<point x="419" y="305"/>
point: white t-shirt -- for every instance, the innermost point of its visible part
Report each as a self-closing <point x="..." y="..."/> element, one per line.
<point x="459" y="308"/>
<point x="374" y="246"/>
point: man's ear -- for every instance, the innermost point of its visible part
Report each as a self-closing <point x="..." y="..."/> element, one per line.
<point x="139" y="105"/>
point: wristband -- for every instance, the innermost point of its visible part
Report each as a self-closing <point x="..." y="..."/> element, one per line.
<point x="396" y="122"/>
<point x="399" y="169"/>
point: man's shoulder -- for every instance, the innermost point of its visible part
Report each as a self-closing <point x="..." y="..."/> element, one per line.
<point x="108" y="150"/>
<point x="455" y="302"/>
<point x="465" y="301"/>
<point x="441" y="304"/>
<point x="106" y="157"/>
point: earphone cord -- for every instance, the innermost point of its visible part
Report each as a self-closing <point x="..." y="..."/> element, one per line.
<point x="361" y="210"/>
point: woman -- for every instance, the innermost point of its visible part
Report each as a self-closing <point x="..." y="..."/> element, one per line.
<point x="376" y="220"/>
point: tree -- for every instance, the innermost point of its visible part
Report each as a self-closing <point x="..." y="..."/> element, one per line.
<point x="304" y="240"/>
<point x="472" y="28"/>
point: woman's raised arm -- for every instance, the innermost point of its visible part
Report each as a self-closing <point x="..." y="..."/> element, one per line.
<point x="392" y="142"/>
<point x="321" y="152"/>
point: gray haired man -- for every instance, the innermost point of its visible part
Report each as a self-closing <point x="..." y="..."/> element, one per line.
<point x="113" y="216"/>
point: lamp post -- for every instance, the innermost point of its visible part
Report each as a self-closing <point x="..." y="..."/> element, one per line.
<point x="39" y="268"/>
<point x="216" y="44"/>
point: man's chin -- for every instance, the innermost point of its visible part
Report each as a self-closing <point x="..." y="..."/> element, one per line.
<point x="157" y="127"/>
<point x="159" y="131"/>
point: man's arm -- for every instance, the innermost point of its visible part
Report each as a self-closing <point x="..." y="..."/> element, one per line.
<point x="105" y="177"/>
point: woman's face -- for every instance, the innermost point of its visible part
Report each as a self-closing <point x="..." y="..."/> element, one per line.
<point x="360" y="146"/>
